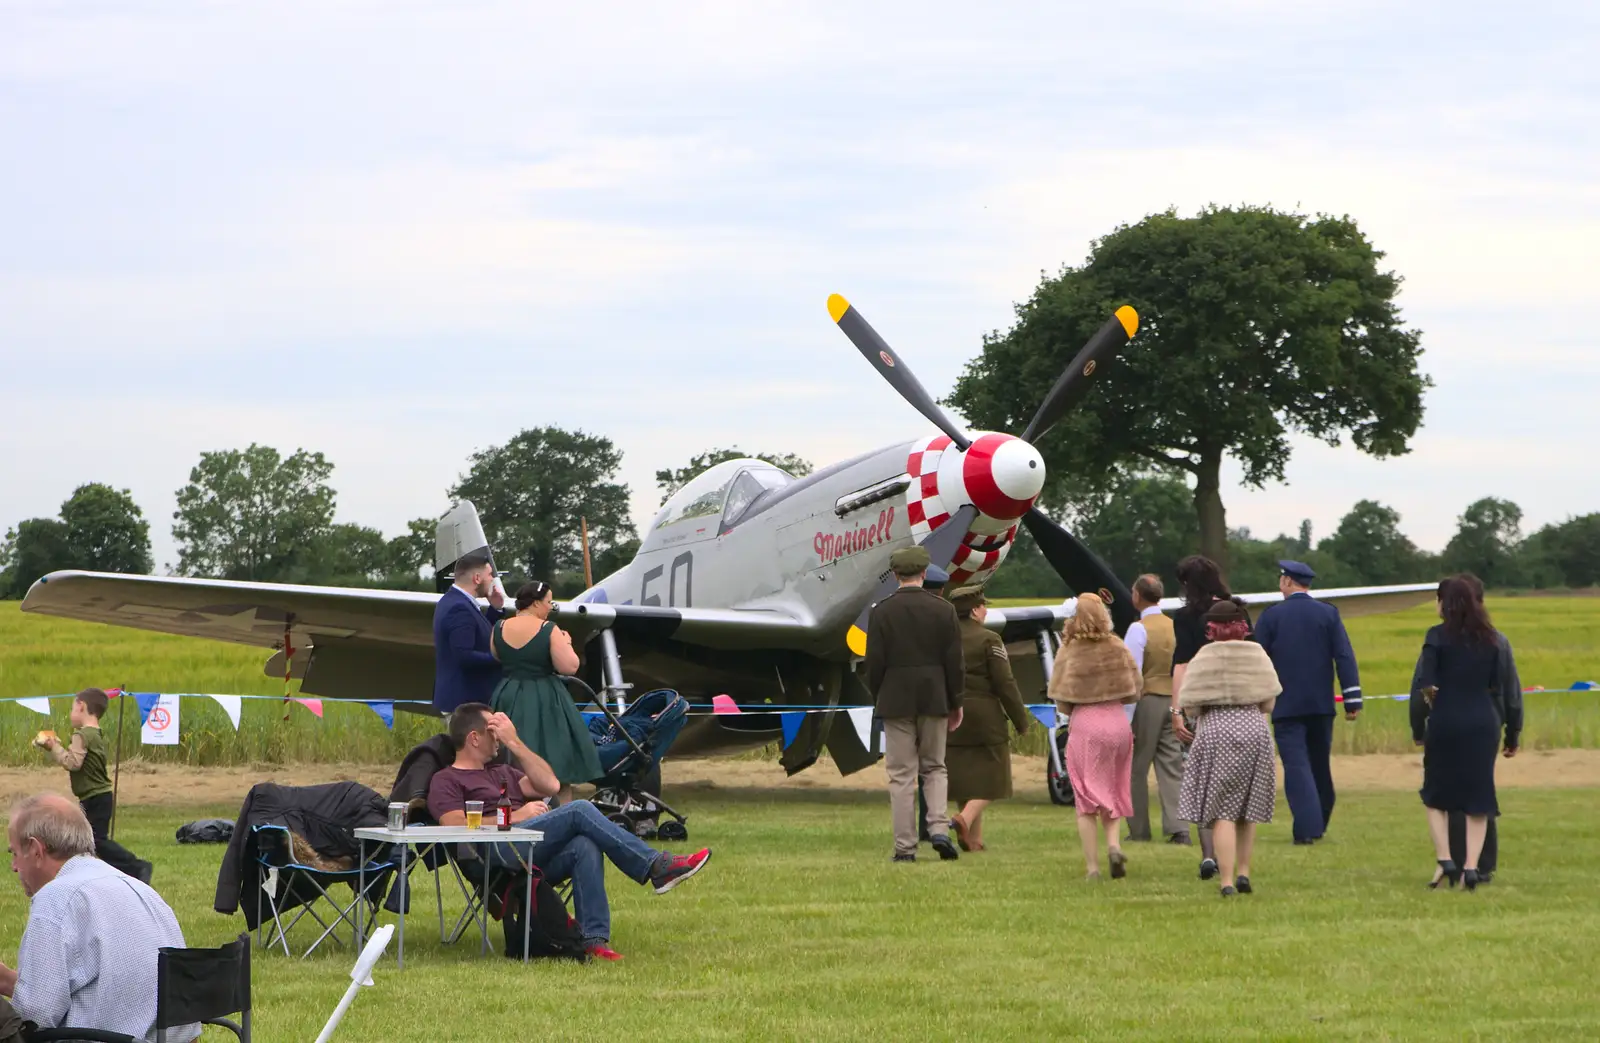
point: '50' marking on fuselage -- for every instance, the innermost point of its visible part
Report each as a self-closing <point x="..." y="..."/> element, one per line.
<point x="682" y="565"/>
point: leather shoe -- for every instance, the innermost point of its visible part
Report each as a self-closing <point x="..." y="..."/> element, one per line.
<point x="1180" y="838"/>
<point x="947" y="850"/>
<point x="905" y="858"/>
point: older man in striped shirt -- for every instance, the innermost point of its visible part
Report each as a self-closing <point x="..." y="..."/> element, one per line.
<point x="88" y="954"/>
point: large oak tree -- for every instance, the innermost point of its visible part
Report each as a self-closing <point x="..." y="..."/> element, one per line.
<point x="1255" y="324"/>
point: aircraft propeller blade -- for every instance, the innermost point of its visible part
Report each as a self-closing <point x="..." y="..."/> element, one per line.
<point x="941" y="544"/>
<point x="892" y="368"/>
<point x="1078" y="566"/>
<point x="1080" y="372"/>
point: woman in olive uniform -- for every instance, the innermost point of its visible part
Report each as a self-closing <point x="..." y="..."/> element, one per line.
<point x="532" y="652"/>
<point x="978" y="756"/>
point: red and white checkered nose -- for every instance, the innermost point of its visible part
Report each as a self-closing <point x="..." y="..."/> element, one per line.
<point x="999" y="474"/>
<point x="1003" y="475"/>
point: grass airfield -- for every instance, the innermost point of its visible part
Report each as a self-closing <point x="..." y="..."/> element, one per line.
<point x="801" y="929"/>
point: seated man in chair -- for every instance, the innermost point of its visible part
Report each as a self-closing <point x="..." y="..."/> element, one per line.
<point x="88" y="955"/>
<point x="576" y="835"/>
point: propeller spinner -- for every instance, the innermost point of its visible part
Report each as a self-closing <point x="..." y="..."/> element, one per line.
<point x="998" y="476"/>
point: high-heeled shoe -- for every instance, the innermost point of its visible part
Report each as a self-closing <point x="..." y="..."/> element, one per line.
<point x="1447" y="872"/>
<point x="1469" y="879"/>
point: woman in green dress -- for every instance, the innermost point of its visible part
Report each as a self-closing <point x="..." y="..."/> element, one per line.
<point x="532" y="652"/>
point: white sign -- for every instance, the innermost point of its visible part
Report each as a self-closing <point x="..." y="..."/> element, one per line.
<point x="161" y="727"/>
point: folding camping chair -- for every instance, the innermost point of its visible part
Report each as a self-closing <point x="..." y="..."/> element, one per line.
<point x="192" y="985"/>
<point x="287" y="883"/>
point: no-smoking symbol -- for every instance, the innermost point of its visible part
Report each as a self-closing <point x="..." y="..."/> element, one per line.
<point x="159" y="719"/>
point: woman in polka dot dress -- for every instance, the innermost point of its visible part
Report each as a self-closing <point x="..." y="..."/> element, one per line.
<point x="1229" y="782"/>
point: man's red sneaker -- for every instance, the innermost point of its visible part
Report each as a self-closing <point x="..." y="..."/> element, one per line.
<point x="604" y="952"/>
<point x="680" y="869"/>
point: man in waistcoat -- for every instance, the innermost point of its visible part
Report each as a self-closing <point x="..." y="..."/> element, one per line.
<point x="1154" y="742"/>
<point x="1308" y="645"/>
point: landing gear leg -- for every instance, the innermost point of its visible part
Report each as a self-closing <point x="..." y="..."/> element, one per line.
<point x="1056" y="780"/>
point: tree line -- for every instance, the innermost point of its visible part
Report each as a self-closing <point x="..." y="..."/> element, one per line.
<point x="259" y="515"/>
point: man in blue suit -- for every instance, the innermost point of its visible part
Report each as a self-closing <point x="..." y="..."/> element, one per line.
<point x="1308" y="645"/>
<point x="464" y="668"/>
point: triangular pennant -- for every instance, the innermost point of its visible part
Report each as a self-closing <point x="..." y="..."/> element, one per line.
<point x="37" y="703"/>
<point x="791" y="723"/>
<point x="591" y="716"/>
<point x="231" y="705"/>
<point x="1045" y="713"/>
<point x="147" y="702"/>
<point x="1583" y="686"/>
<point x="861" y="718"/>
<point x="314" y="705"/>
<point x="724" y="704"/>
<point x="385" y="712"/>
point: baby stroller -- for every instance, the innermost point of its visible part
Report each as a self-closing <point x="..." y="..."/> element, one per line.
<point x="631" y="747"/>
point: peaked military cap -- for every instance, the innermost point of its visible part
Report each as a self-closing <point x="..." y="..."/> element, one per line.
<point x="909" y="560"/>
<point x="1297" y="571"/>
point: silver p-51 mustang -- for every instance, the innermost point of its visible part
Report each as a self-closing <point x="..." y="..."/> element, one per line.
<point x="749" y="581"/>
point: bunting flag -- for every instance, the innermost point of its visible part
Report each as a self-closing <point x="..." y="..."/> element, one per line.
<point x="1045" y="713"/>
<point x="861" y="718"/>
<point x="231" y="705"/>
<point x="724" y="704"/>
<point x="38" y="704"/>
<point x="147" y="702"/>
<point x="791" y="726"/>
<point x="591" y="716"/>
<point x="314" y="705"/>
<point x="385" y="712"/>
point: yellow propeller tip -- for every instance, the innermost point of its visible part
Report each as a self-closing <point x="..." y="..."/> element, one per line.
<point x="1129" y="319"/>
<point x="837" y="306"/>
<point x="857" y="638"/>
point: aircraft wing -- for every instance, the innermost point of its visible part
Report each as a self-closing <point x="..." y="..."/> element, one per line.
<point x="1016" y="624"/>
<point x="354" y="643"/>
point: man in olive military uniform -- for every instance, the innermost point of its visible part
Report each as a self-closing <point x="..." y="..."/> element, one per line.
<point x="979" y="754"/>
<point x="915" y="672"/>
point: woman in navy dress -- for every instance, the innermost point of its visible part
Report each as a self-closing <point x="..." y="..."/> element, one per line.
<point x="1460" y="677"/>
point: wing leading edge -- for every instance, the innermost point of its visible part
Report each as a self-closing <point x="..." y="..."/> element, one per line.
<point x="353" y="643"/>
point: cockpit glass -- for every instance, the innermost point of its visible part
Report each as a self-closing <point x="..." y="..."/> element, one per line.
<point x="727" y="489"/>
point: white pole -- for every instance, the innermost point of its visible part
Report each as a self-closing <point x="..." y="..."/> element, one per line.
<point x="361" y="975"/>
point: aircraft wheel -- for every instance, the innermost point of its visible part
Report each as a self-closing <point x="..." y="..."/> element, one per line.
<point x="673" y="831"/>
<point x="1060" y="786"/>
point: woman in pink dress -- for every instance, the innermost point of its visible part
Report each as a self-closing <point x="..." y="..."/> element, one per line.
<point x="1093" y="677"/>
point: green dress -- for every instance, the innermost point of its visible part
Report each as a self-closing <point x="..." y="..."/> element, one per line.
<point x="539" y="706"/>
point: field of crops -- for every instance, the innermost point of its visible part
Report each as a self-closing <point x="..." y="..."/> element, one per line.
<point x="1554" y="639"/>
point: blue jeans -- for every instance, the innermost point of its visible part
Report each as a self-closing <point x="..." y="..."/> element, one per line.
<point x="577" y="840"/>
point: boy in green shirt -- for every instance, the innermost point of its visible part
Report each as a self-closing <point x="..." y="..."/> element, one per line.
<point x="84" y="757"/>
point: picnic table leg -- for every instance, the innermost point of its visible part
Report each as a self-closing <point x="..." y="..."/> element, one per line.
<point x="400" y="952"/>
<point x="527" y="904"/>
<point x="361" y="885"/>
<point x="483" y="912"/>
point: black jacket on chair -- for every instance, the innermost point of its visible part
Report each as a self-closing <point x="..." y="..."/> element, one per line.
<point x="326" y="817"/>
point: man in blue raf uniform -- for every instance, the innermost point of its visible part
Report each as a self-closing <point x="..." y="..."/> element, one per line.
<point x="1308" y="644"/>
<point x="464" y="669"/>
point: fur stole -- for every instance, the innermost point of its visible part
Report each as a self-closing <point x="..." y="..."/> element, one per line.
<point x="1230" y="673"/>
<point x="1095" y="670"/>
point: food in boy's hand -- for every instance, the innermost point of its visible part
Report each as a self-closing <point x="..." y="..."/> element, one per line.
<point x="45" y="738"/>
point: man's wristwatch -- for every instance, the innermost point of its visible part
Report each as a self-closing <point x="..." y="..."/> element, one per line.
<point x="1174" y="711"/>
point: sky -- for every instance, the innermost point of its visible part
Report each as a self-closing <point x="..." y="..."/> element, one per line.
<point x="399" y="232"/>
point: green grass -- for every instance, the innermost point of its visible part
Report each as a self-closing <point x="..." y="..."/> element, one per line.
<point x="801" y="929"/>
<point x="42" y="656"/>
<point x="1554" y="640"/>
